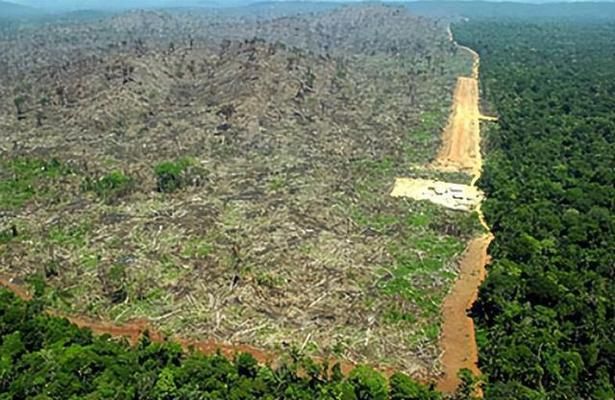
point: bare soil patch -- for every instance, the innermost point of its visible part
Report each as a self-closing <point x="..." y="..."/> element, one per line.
<point x="460" y="149"/>
<point x="460" y="152"/>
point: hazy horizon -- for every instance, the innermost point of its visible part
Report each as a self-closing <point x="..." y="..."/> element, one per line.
<point x="126" y="4"/>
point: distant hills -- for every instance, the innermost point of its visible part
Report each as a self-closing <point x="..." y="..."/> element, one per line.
<point x="434" y="8"/>
<point x="64" y="5"/>
<point x="13" y="10"/>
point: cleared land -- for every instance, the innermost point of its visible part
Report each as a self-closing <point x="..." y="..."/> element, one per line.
<point x="235" y="189"/>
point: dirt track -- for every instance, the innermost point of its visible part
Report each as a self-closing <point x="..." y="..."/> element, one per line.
<point x="460" y="150"/>
<point x="458" y="339"/>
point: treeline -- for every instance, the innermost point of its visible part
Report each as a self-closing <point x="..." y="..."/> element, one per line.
<point x="44" y="357"/>
<point x="545" y="313"/>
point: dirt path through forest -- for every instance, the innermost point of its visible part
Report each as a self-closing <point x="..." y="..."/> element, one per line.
<point x="461" y="152"/>
<point x="457" y="339"/>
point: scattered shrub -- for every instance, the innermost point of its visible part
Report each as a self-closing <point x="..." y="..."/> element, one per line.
<point x="114" y="283"/>
<point x="109" y="187"/>
<point x="171" y="175"/>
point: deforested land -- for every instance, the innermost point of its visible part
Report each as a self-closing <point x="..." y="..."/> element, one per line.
<point x="228" y="177"/>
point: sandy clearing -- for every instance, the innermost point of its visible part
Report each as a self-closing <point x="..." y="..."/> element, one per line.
<point x="460" y="150"/>
<point x="450" y="195"/>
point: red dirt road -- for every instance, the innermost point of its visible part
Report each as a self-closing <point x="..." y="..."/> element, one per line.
<point x="461" y="152"/>
<point x="458" y="339"/>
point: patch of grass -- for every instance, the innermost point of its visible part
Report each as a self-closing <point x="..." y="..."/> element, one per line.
<point x="372" y="178"/>
<point x="277" y="183"/>
<point x="457" y="224"/>
<point x="169" y="272"/>
<point x="422" y="141"/>
<point x="379" y="221"/>
<point x="110" y="186"/>
<point x="74" y="236"/>
<point x="231" y="216"/>
<point x="6" y="236"/>
<point x="432" y="331"/>
<point x="374" y="168"/>
<point x="16" y="231"/>
<point x="418" y="220"/>
<point x="117" y="273"/>
<point x="114" y="282"/>
<point x="171" y="174"/>
<point x="197" y="248"/>
<point x="21" y="179"/>
<point x="394" y="315"/>
<point x="89" y="261"/>
<point x="268" y="280"/>
<point x="423" y="255"/>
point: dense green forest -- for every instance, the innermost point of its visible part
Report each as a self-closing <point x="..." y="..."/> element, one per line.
<point x="545" y="313"/>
